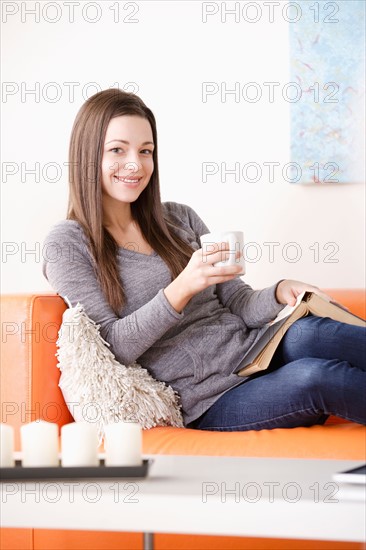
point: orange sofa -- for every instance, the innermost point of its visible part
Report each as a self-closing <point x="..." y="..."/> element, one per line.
<point x="29" y="390"/>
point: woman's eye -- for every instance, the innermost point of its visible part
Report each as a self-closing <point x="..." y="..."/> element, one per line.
<point x="118" y="149"/>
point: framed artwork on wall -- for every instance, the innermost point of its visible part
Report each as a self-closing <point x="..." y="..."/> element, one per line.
<point x="326" y="91"/>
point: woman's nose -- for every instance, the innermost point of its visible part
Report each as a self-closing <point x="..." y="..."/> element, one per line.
<point x="132" y="165"/>
<point x="132" y="160"/>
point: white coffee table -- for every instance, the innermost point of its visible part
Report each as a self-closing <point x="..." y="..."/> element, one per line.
<point x="249" y="497"/>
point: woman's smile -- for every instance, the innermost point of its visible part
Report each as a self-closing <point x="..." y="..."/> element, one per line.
<point x="128" y="181"/>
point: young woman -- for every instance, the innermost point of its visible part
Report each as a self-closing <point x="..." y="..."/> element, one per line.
<point x="137" y="266"/>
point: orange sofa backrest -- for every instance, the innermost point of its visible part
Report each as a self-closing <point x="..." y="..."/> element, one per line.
<point x="29" y="373"/>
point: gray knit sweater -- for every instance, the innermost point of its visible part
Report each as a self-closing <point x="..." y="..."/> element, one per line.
<point x="195" y="351"/>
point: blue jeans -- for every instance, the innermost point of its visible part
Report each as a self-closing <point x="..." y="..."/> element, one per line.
<point x="319" y="369"/>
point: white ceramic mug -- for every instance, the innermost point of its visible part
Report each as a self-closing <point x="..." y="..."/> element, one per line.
<point x="210" y="242"/>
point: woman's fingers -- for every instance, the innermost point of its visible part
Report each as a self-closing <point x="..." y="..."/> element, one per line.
<point x="294" y="288"/>
<point x="215" y="252"/>
<point x="218" y="252"/>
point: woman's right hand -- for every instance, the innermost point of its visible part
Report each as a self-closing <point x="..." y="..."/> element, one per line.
<point x="200" y="273"/>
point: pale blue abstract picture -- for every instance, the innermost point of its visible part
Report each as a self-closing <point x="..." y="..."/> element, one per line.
<point x="327" y="100"/>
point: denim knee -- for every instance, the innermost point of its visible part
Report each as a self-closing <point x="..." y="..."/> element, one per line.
<point x="309" y="336"/>
<point x="313" y="374"/>
<point x="309" y="376"/>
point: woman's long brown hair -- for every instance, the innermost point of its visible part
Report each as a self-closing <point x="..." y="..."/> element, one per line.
<point x="85" y="197"/>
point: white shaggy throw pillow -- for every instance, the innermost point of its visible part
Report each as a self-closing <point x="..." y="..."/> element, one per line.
<point x="98" y="389"/>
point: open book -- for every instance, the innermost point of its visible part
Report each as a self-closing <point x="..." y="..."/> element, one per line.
<point x="260" y="354"/>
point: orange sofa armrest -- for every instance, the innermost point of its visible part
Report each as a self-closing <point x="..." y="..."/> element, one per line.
<point x="29" y="373"/>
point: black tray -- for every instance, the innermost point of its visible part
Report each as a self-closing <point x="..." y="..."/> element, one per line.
<point x="39" y="473"/>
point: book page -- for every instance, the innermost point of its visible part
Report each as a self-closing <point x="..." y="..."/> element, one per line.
<point x="287" y="310"/>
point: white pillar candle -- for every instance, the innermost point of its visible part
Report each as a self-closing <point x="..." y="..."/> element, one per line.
<point x="123" y="444"/>
<point x="79" y="444"/>
<point x="39" y="443"/>
<point x="6" y="446"/>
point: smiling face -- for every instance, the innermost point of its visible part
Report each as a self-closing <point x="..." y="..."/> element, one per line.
<point x="127" y="163"/>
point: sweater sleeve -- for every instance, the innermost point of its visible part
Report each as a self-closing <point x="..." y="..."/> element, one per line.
<point x="70" y="269"/>
<point x="255" y="307"/>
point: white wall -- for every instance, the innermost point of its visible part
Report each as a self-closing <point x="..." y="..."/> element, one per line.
<point x="168" y="53"/>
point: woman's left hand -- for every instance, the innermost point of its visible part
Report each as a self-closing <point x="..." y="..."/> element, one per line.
<point x="288" y="290"/>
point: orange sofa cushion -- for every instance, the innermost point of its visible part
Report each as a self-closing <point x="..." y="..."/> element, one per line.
<point x="340" y="441"/>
